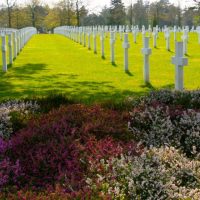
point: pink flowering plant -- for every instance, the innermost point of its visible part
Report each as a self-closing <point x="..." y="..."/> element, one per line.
<point x="88" y="152"/>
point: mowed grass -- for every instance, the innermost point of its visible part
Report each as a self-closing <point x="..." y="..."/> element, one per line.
<point x="55" y="64"/>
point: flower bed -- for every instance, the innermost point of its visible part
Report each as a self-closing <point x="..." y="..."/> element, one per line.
<point x="89" y="152"/>
<point x="57" y="148"/>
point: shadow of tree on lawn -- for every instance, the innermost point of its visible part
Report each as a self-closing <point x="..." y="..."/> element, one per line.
<point x="32" y="80"/>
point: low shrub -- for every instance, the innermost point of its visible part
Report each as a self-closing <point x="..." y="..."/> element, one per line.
<point x="4" y="146"/>
<point x="87" y="152"/>
<point x="14" y="115"/>
<point x="10" y="173"/>
<point x="53" y="101"/>
<point x="58" y="194"/>
<point x="186" y="99"/>
<point x="156" y="122"/>
<point x="158" y="173"/>
<point x="57" y="147"/>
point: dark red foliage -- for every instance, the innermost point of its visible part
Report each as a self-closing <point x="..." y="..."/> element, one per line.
<point x="106" y="148"/>
<point x="57" y="194"/>
<point x="56" y="148"/>
<point x="48" y="153"/>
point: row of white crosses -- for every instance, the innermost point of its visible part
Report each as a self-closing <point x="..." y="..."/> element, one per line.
<point x="179" y="60"/>
<point x="128" y="29"/>
<point x="198" y="32"/>
<point x="167" y="33"/>
<point x="17" y="39"/>
<point x="135" y="30"/>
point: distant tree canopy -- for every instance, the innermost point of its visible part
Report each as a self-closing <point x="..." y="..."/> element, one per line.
<point x="117" y="13"/>
<point x="74" y="12"/>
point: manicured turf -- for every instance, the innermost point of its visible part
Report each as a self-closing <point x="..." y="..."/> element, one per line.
<point x="55" y="64"/>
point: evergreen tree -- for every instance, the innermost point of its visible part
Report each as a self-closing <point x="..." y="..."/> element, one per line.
<point x="117" y="12"/>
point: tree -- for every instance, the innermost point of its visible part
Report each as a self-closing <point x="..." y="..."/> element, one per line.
<point x="10" y="4"/>
<point x="66" y="12"/>
<point x="164" y="13"/>
<point x="105" y="14"/>
<point x="3" y="18"/>
<point x="52" y="19"/>
<point x="130" y="13"/>
<point x="37" y="13"/>
<point x="83" y="14"/>
<point x="140" y="13"/>
<point x="179" y="14"/>
<point x="93" y="20"/>
<point x="193" y="13"/>
<point x="155" y="23"/>
<point x="197" y="2"/>
<point x="80" y="10"/>
<point x="198" y="8"/>
<point x="74" y="12"/>
<point x="20" y="17"/>
<point x="78" y="2"/>
<point x="117" y="12"/>
<point x="33" y="5"/>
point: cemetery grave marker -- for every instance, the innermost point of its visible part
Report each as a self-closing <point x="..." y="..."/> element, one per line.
<point x="102" y="45"/>
<point x="126" y="46"/>
<point x="179" y="61"/>
<point x="146" y="51"/>
<point x="112" y="46"/>
<point x="4" y="53"/>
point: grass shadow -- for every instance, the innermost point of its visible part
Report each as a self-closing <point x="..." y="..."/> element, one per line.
<point x="114" y="64"/>
<point x="9" y="66"/>
<point x="128" y="73"/>
<point x="30" y="68"/>
<point x="87" y="92"/>
<point x="148" y="85"/>
<point x="10" y="88"/>
<point x="169" y="86"/>
<point x="187" y="55"/>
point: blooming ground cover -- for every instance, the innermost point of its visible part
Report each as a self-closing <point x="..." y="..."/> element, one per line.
<point x="56" y="149"/>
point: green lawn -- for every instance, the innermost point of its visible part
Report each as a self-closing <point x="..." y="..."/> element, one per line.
<point x="55" y="64"/>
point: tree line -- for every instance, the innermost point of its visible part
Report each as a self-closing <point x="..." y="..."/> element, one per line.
<point x="75" y="12"/>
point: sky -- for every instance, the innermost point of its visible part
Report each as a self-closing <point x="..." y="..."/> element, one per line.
<point x="96" y="5"/>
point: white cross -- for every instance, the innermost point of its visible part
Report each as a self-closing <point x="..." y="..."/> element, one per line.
<point x="154" y="39"/>
<point x="167" y="38"/>
<point x="146" y="51"/>
<point x="15" y="44"/>
<point x="95" y="41"/>
<point x="185" y="41"/>
<point x="126" y="46"/>
<point x="10" y="45"/>
<point x="179" y="61"/>
<point x="89" y="45"/>
<point x="112" y="47"/>
<point x="175" y="34"/>
<point x="4" y="53"/>
<point x="102" y="44"/>
<point x="134" y="35"/>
